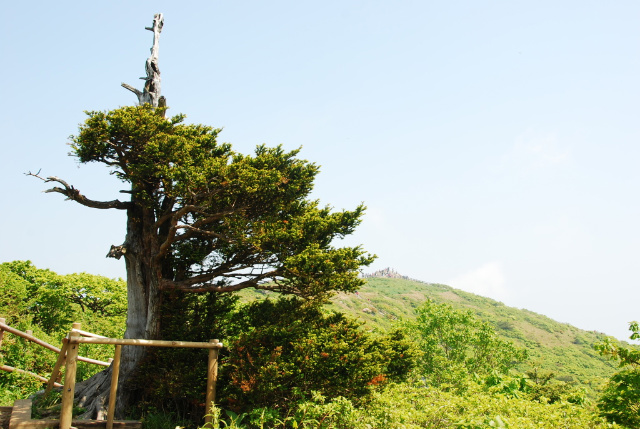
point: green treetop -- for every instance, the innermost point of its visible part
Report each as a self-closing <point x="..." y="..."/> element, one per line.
<point x="203" y="218"/>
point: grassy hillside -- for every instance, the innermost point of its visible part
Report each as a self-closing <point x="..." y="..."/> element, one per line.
<point x="553" y="346"/>
<point x="557" y="347"/>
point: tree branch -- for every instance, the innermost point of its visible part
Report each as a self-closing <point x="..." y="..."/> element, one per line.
<point x="204" y="287"/>
<point x="192" y="230"/>
<point x="73" y="194"/>
<point x="117" y="251"/>
<point x="137" y="92"/>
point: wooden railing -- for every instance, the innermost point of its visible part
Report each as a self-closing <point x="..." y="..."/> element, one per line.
<point x="28" y="335"/>
<point x="68" y="356"/>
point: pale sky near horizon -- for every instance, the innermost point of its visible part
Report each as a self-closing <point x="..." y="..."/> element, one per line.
<point x="494" y="143"/>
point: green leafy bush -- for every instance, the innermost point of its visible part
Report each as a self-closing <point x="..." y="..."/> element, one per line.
<point x="455" y="345"/>
<point x="412" y="407"/>
<point x="177" y="389"/>
<point x="47" y="304"/>
<point x="620" y="400"/>
<point x="407" y="406"/>
<point x="287" y="349"/>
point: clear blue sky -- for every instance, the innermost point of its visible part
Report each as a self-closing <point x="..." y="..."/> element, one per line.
<point x="495" y="143"/>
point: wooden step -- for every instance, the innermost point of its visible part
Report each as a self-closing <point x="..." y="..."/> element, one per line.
<point x="21" y="419"/>
<point x="5" y="415"/>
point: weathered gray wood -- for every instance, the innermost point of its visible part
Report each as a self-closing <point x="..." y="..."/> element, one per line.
<point x="151" y="92"/>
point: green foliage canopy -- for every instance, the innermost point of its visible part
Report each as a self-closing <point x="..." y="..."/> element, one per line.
<point x="620" y="400"/>
<point x="284" y="350"/>
<point x="220" y="220"/>
<point x="48" y="303"/>
<point x="456" y="344"/>
<point x="53" y="302"/>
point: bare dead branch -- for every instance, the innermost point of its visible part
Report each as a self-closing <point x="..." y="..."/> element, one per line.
<point x="151" y="92"/>
<point x="73" y="194"/>
<point x="137" y="92"/>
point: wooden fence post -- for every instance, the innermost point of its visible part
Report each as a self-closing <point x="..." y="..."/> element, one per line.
<point x="3" y="321"/>
<point x="68" y="391"/>
<point x="115" y="373"/>
<point x="56" y="369"/>
<point x="212" y="377"/>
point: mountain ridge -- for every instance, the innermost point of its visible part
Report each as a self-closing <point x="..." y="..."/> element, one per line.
<point x="388" y="298"/>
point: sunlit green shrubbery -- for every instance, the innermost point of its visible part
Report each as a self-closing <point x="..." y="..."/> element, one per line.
<point x="286" y="349"/>
<point x="406" y="406"/>
<point x="47" y="303"/>
<point x="620" y="401"/>
<point x="291" y="364"/>
<point x="457" y="347"/>
<point x="278" y="353"/>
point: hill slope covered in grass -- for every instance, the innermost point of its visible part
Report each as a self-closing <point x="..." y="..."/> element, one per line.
<point x="553" y="346"/>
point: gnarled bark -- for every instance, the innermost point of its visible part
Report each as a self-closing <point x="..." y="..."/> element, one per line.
<point x="143" y="313"/>
<point x="143" y="295"/>
<point x="151" y="93"/>
<point x="202" y="218"/>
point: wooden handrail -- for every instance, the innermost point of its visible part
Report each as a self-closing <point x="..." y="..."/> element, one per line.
<point x="69" y="387"/>
<point x="68" y="356"/>
<point x="62" y="357"/>
<point x="115" y="374"/>
<point x="89" y="334"/>
<point x="74" y="340"/>
<point x="22" y="371"/>
<point x="5" y="327"/>
<point x="29" y="336"/>
<point x="212" y="379"/>
<point x="148" y="343"/>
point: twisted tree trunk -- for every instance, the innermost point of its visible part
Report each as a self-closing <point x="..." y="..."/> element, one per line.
<point x="143" y="273"/>
<point x="143" y="312"/>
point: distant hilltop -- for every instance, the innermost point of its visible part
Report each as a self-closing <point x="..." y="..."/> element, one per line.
<point x="389" y="273"/>
<point x="385" y="272"/>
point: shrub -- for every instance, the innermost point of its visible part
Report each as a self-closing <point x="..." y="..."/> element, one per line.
<point x="456" y="346"/>
<point x="287" y="349"/>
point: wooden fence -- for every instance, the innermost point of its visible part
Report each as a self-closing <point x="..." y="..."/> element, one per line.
<point x="68" y="356"/>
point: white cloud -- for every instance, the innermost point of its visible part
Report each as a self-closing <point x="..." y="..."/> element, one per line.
<point x="374" y="218"/>
<point x="487" y="280"/>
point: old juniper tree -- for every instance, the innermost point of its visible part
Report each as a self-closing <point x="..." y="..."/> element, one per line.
<point x="203" y="218"/>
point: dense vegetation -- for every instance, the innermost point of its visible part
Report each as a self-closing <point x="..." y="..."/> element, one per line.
<point x="48" y="303"/>
<point x="203" y="219"/>
<point x="290" y="363"/>
<point x="620" y="401"/>
<point x="552" y="346"/>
